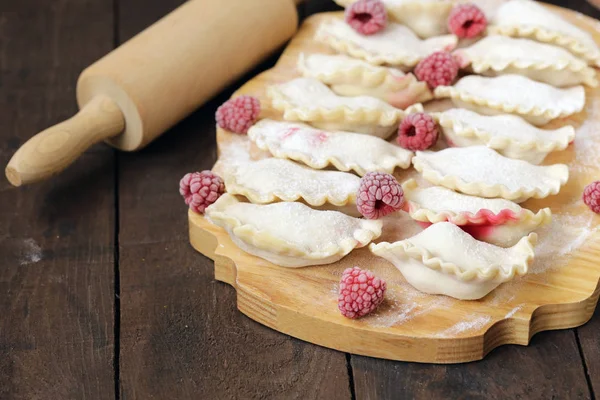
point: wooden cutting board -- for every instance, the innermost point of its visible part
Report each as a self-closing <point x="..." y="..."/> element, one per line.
<point x="561" y="290"/>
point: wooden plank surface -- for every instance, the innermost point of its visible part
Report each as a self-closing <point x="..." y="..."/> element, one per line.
<point x="56" y="238"/>
<point x="181" y="334"/>
<point x="549" y="368"/>
<point x="589" y="341"/>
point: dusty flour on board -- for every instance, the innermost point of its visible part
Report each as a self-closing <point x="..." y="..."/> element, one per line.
<point x="565" y="234"/>
<point x="513" y="311"/>
<point x="587" y="142"/>
<point x="473" y="324"/>
<point x="32" y="252"/>
<point x="407" y="303"/>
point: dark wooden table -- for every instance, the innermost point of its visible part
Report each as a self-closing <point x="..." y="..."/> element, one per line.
<point x="102" y="297"/>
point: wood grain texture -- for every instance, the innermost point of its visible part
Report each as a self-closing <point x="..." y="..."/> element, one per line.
<point x="181" y="334"/>
<point x="549" y="368"/>
<point x="56" y="239"/>
<point x="301" y="303"/>
<point x="54" y="149"/>
<point x="589" y="340"/>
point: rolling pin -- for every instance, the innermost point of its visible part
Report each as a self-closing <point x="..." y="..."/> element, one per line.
<point x="141" y="89"/>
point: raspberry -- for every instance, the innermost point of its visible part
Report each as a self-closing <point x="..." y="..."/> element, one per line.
<point x="360" y="292"/>
<point x="379" y="194"/>
<point x="366" y="16"/>
<point x="437" y="69"/>
<point x="466" y="21"/>
<point x="201" y="189"/>
<point x="239" y="114"/>
<point x="591" y="196"/>
<point x="417" y="131"/>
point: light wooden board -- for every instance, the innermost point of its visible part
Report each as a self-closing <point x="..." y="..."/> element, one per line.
<point x="560" y="292"/>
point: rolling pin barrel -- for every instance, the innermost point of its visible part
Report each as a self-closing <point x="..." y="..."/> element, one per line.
<point x="158" y="78"/>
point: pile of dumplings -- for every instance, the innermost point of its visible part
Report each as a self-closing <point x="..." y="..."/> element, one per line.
<point x="338" y="123"/>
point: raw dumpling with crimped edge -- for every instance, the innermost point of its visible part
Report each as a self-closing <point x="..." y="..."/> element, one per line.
<point x="443" y="259"/>
<point x="500" y="55"/>
<point x="536" y="102"/>
<point x="345" y="151"/>
<point x="273" y="179"/>
<point x="426" y="18"/>
<point x="309" y="100"/>
<point x="480" y="171"/>
<point x="496" y="221"/>
<point x="508" y="134"/>
<point x="528" y="19"/>
<point x="348" y="76"/>
<point x="396" y="45"/>
<point x="291" y="234"/>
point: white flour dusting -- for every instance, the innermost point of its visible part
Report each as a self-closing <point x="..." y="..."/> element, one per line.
<point x="407" y="303"/>
<point x="474" y="324"/>
<point x="513" y="312"/>
<point x="31" y="253"/>
<point x="565" y="234"/>
<point x="587" y="142"/>
<point x="239" y="150"/>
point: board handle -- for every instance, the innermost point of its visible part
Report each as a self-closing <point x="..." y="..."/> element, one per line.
<point x="51" y="151"/>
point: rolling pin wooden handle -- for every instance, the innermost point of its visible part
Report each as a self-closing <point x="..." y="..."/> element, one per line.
<point x="51" y="151"/>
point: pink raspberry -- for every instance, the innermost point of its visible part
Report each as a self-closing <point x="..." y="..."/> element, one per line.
<point x="437" y="69"/>
<point x="366" y="16"/>
<point x="239" y="114"/>
<point x="201" y="189"/>
<point x="360" y="292"/>
<point x="379" y="194"/>
<point x="591" y="196"/>
<point x="466" y="21"/>
<point x="417" y="131"/>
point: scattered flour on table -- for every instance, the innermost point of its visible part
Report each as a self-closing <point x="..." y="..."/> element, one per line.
<point x="565" y="234"/>
<point x="406" y="304"/>
<point x="587" y="143"/>
<point x="31" y="253"/>
<point x="513" y="311"/>
<point x="473" y="324"/>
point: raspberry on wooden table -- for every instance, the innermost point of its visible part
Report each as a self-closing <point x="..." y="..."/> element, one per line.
<point x="238" y="114"/>
<point x="360" y="292"/>
<point x="591" y="196"/>
<point x="417" y="131"/>
<point x="379" y="194"/>
<point x="201" y="189"/>
<point x="366" y="16"/>
<point x="437" y="69"/>
<point x="466" y="21"/>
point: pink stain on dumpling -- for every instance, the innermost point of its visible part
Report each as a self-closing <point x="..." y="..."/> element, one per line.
<point x="290" y="132"/>
<point x="318" y="138"/>
<point x="400" y="78"/>
<point x="424" y="225"/>
<point x="479" y="225"/>
<point x="477" y="231"/>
